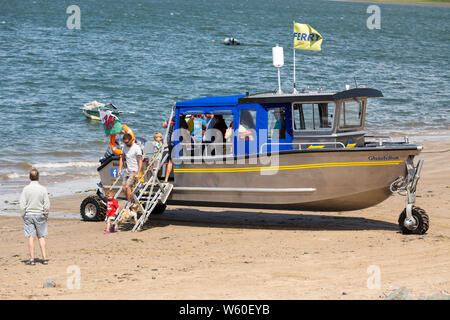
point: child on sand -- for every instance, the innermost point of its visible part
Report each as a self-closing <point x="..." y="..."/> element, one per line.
<point x="113" y="204"/>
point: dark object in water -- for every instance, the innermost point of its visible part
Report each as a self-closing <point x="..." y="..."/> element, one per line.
<point x="230" y="41"/>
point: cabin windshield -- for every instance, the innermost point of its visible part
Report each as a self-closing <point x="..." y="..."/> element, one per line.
<point x="351" y="114"/>
<point x="313" y="116"/>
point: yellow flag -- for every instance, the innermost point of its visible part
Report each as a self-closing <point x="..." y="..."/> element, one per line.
<point x="306" y="38"/>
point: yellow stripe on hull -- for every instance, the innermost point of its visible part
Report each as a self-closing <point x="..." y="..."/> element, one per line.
<point x="291" y="167"/>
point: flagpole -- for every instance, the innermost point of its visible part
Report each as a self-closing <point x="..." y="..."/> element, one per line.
<point x="295" y="89"/>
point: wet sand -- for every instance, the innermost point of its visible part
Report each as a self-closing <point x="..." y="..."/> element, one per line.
<point x="222" y="253"/>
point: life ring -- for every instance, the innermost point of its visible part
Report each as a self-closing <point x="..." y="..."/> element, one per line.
<point x="112" y="140"/>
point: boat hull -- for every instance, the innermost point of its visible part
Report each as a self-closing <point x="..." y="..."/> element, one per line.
<point x="94" y="114"/>
<point x="320" y="180"/>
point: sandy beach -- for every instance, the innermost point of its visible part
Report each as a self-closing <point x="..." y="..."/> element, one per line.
<point x="221" y="253"/>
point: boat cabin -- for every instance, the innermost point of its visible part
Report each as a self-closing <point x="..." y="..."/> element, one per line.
<point x="271" y="122"/>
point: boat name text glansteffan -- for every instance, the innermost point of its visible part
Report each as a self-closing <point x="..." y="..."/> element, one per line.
<point x="374" y="158"/>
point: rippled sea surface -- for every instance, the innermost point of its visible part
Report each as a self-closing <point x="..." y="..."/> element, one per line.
<point x="144" y="55"/>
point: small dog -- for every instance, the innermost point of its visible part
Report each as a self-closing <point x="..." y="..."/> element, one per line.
<point x="130" y="213"/>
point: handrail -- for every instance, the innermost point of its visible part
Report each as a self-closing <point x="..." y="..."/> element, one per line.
<point x="112" y="186"/>
<point x="152" y="160"/>
<point x="379" y="137"/>
<point x="300" y="144"/>
<point x="168" y="126"/>
<point x="382" y="139"/>
<point x="150" y="165"/>
<point x="205" y="144"/>
<point x="199" y="146"/>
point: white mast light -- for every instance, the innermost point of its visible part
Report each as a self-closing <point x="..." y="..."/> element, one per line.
<point x="278" y="62"/>
<point x="278" y="56"/>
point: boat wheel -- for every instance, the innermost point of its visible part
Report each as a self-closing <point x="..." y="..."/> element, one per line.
<point x="418" y="226"/>
<point x="92" y="209"/>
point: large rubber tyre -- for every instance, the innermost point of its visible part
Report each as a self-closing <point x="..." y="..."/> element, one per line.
<point x="422" y="219"/>
<point x="159" y="209"/>
<point x="93" y="209"/>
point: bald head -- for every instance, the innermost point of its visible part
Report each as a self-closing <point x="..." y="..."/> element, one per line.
<point x="34" y="175"/>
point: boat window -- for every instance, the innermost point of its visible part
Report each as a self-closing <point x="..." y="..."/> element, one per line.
<point x="216" y="140"/>
<point x="216" y="126"/>
<point x="247" y="124"/>
<point x="351" y="114"/>
<point x="205" y="133"/>
<point x="276" y="123"/>
<point x="313" y="116"/>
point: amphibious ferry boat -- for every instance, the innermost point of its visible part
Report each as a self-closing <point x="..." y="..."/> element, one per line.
<point x="295" y="151"/>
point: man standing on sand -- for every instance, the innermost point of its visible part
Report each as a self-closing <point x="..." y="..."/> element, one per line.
<point x="132" y="154"/>
<point x="35" y="205"/>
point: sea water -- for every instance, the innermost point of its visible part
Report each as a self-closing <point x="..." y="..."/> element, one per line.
<point x="142" y="56"/>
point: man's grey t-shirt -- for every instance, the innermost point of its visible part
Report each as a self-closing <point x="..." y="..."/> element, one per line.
<point x="131" y="154"/>
<point x="34" y="199"/>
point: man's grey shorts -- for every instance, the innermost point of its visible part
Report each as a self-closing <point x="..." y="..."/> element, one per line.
<point x="35" y="224"/>
<point x="129" y="179"/>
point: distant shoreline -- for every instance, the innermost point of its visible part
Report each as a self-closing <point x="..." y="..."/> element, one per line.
<point x="407" y="2"/>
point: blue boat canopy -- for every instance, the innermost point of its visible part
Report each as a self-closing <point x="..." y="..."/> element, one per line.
<point x="271" y="97"/>
<point x="218" y="101"/>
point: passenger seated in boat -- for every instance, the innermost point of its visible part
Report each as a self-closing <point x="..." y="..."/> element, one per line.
<point x="183" y="123"/>
<point x="220" y="124"/>
<point x="217" y="134"/>
<point x="199" y="127"/>
<point x="209" y="120"/>
<point x="246" y="126"/>
<point x="209" y="125"/>
<point x="189" y="122"/>
<point x="279" y="129"/>
<point x="228" y="137"/>
<point x="229" y="131"/>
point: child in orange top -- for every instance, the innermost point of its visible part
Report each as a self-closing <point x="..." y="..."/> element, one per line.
<point x="113" y="204"/>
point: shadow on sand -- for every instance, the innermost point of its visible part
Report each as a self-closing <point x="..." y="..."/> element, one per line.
<point x="261" y="220"/>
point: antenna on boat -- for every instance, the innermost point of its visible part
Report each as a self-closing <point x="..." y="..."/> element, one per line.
<point x="278" y="62"/>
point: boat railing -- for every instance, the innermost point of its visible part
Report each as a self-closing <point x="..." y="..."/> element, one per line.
<point x="381" y="140"/>
<point x="198" y="149"/>
<point x="310" y="145"/>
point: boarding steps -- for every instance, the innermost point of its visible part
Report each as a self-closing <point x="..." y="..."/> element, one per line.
<point x="147" y="195"/>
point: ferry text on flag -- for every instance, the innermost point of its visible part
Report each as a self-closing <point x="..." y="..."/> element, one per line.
<point x="306" y="38"/>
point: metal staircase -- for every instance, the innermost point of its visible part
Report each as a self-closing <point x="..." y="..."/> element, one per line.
<point x="147" y="195"/>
